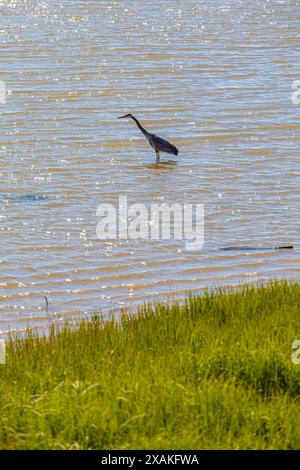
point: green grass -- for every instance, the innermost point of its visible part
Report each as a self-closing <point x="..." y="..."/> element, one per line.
<point x="209" y="372"/>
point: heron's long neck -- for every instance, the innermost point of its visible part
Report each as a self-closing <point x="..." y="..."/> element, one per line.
<point x="140" y="127"/>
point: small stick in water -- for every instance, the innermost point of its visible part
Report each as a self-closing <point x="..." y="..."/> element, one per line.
<point x="288" y="247"/>
<point x="256" y="248"/>
<point x="47" y="304"/>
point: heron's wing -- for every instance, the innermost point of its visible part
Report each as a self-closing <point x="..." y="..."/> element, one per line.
<point x="163" y="145"/>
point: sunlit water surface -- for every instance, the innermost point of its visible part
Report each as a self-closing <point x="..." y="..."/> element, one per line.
<point x="214" y="77"/>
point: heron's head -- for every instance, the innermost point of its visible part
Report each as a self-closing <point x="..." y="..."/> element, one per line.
<point x="126" y="116"/>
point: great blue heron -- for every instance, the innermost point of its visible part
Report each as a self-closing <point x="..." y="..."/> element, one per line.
<point x="159" y="144"/>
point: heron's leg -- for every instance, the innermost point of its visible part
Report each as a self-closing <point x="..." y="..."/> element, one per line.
<point x="157" y="156"/>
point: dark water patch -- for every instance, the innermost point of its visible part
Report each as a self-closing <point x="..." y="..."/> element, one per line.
<point x="26" y="198"/>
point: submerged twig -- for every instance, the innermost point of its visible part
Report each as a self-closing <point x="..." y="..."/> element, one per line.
<point x="47" y="304"/>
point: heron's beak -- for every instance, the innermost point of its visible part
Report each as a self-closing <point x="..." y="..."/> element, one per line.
<point x="121" y="117"/>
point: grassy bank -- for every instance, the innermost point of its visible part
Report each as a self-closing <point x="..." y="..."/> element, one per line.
<point x="214" y="372"/>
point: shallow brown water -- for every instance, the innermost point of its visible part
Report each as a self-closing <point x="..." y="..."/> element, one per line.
<point x="214" y="77"/>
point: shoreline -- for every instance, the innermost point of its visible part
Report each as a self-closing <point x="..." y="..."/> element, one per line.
<point x="62" y="318"/>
